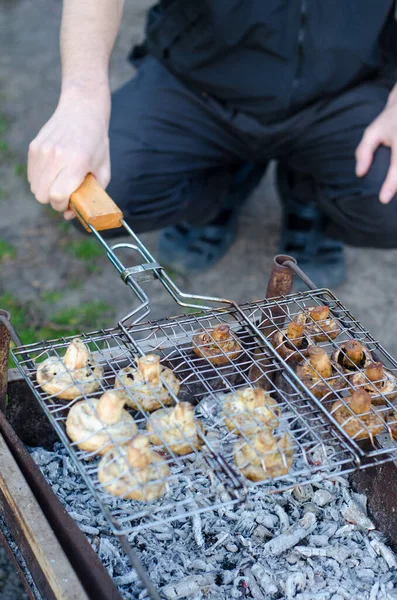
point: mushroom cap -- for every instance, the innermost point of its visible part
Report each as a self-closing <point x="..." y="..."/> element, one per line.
<point x="357" y="426"/>
<point x="249" y="410"/>
<point x="218" y="345"/>
<point x="264" y="456"/>
<point x="320" y="330"/>
<point x="286" y="347"/>
<point x="138" y="483"/>
<point x="317" y="385"/>
<point x="343" y="361"/>
<point x="56" y="380"/>
<point x="148" y="396"/>
<point x="85" y="428"/>
<point x="387" y="386"/>
<point x="176" y="428"/>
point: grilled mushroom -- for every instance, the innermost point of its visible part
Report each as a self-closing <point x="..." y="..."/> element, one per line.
<point x="176" y="428"/>
<point x="135" y="471"/>
<point x="217" y="345"/>
<point x="376" y="380"/>
<point x="352" y="355"/>
<point x="392" y="424"/>
<point x="291" y="342"/>
<point x="317" y="368"/>
<point x="249" y="410"/>
<point x="264" y="456"/>
<point x="96" y="425"/>
<point x="144" y="388"/>
<point x="71" y="376"/>
<point x="318" y="324"/>
<point x="355" y="416"/>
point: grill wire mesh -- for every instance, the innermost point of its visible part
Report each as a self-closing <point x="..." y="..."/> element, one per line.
<point x="293" y="438"/>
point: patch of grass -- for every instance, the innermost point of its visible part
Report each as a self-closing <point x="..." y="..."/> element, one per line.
<point x="92" y="315"/>
<point x="75" y="284"/>
<point x="63" y="226"/>
<point x="85" y="250"/>
<point x="20" y="170"/>
<point x="3" y="194"/>
<point x="19" y="319"/>
<point x="71" y="321"/>
<point x="19" y="315"/>
<point x="51" y="297"/>
<point x="4" y="148"/>
<point x="7" y="251"/>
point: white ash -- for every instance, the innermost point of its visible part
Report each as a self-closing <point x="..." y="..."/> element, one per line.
<point x="270" y="548"/>
<point x="313" y="542"/>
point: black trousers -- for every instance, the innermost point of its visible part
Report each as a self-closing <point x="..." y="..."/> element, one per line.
<point x="174" y="153"/>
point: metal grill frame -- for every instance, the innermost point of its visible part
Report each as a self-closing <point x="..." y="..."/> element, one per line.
<point x="172" y="334"/>
<point x="351" y="329"/>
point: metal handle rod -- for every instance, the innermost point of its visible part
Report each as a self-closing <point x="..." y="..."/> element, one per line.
<point x="167" y="281"/>
<point x="158" y="272"/>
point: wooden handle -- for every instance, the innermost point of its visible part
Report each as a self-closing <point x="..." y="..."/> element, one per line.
<point x="93" y="206"/>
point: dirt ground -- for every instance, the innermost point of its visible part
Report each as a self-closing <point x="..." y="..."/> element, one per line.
<point x="52" y="279"/>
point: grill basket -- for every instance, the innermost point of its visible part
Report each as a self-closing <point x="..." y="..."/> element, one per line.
<point x="294" y="438"/>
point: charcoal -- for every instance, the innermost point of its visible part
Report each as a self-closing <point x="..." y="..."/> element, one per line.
<point x="270" y="547"/>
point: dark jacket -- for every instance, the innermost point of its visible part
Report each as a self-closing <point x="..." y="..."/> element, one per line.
<point x="271" y="57"/>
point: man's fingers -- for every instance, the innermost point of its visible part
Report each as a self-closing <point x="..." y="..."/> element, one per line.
<point x="44" y="164"/>
<point x="63" y="187"/>
<point x="365" y="150"/>
<point x="68" y="215"/>
<point x="43" y="185"/>
<point x="389" y="187"/>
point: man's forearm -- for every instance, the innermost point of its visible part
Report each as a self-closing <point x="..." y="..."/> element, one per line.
<point x="88" y="33"/>
<point x="75" y="140"/>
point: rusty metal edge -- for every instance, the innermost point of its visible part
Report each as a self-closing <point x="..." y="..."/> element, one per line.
<point x="379" y="484"/>
<point x="91" y="572"/>
<point x="4" y="353"/>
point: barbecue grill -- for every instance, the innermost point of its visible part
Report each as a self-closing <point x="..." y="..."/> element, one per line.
<point x="207" y="478"/>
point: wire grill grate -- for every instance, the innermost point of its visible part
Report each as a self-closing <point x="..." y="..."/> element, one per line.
<point x="300" y="440"/>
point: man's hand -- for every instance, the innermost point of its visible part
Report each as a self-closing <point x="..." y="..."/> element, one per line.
<point x="71" y="144"/>
<point x="382" y="131"/>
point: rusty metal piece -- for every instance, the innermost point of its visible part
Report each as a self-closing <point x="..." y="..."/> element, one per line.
<point x="381" y="506"/>
<point x="280" y="284"/>
<point x="4" y="353"/>
<point x="281" y="276"/>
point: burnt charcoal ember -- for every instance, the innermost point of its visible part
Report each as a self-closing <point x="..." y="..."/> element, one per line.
<point x="285" y="546"/>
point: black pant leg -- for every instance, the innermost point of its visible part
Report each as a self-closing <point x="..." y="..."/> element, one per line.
<point x="325" y="151"/>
